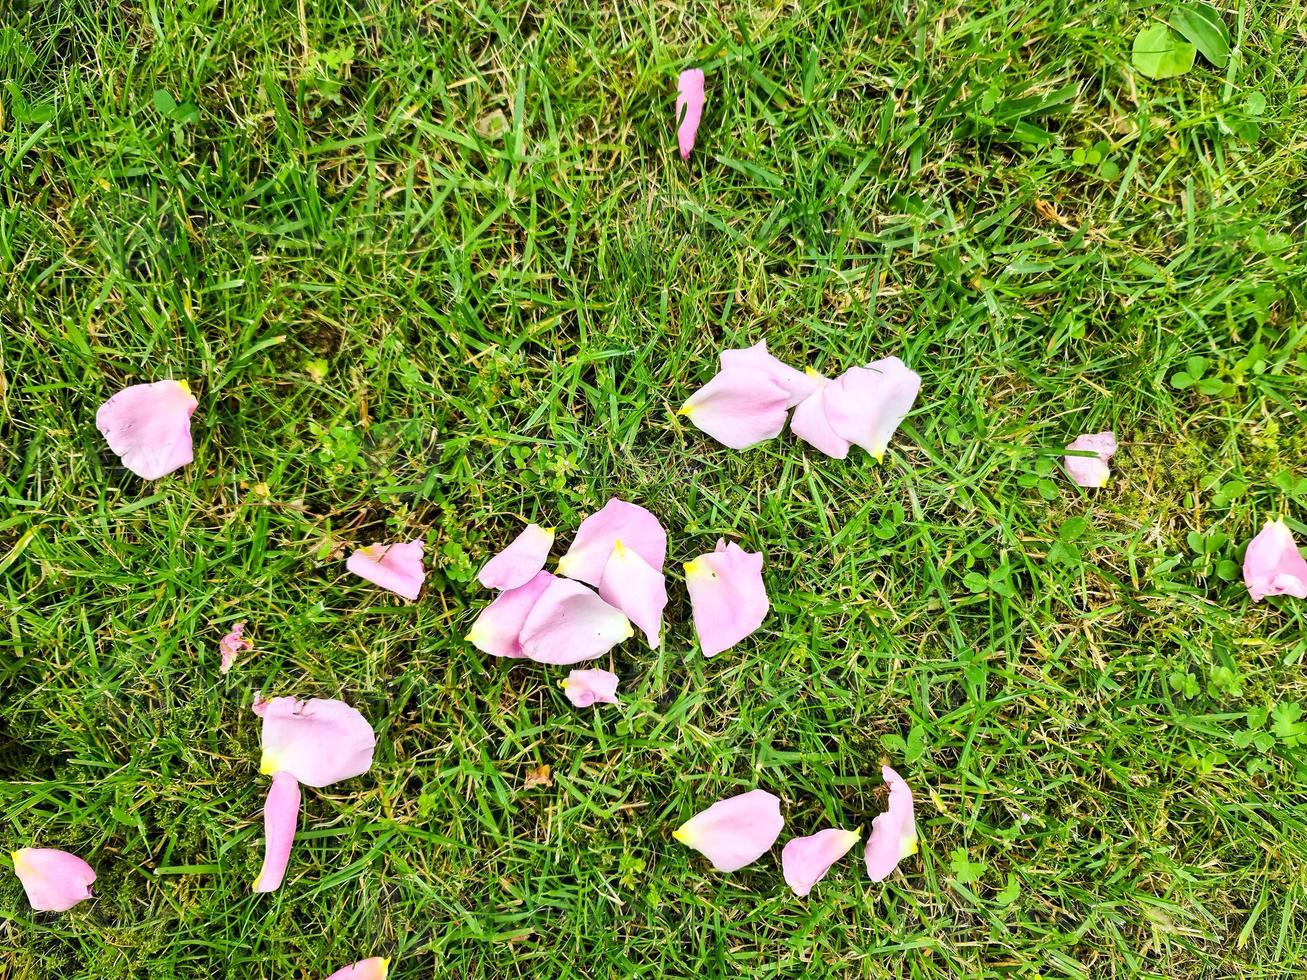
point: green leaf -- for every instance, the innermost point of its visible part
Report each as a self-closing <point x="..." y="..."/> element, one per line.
<point x="1202" y="27"/>
<point x="1073" y="529"/>
<point x="975" y="582"/>
<point x="1110" y="170"/>
<point x="1181" y="379"/>
<point x="1255" y="105"/>
<point x="1196" y="366"/>
<point x="1010" y="893"/>
<point x="164" y="103"/>
<point x="1158" y="53"/>
<point x="1210" y="386"/>
<point x="967" y="871"/>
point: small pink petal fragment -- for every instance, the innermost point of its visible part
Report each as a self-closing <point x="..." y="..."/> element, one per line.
<point x="811" y="421"/>
<point x="280" y="815"/>
<point x="866" y="405"/>
<point x="689" y="100"/>
<point x="894" y="832"/>
<point x="805" y="860"/>
<point x="590" y="687"/>
<point x="798" y="384"/>
<point x="520" y="561"/>
<point x="1091" y="471"/>
<point x="149" y="427"/>
<point x="638" y="590"/>
<point x="1273" y="565"/>
<point x="727" y="596"/>
<point x="395" y="567"/>
<point x="736" y="831"/>
<point x="739" y="407"/>
<point x="569" y="623"/>
<point x="319" y="742"/>
<point x="593" y="545"/>
<point x="54" y="880"/>
<point x="375" y="968"/>
<point x="498" y="628"/>
<point x="232" y="645"/>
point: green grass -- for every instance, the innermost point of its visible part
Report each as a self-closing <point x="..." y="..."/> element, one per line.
<point x="507" y="323"/>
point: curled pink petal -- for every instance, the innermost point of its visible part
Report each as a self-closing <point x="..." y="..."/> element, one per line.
<point x="798" y="384"/>
<point x="739" y="407"/>
<point x="894" y="832"/>
<point x="638" y="529"/>
<point x="569" y="623"/>
<point x="589" y="687"/>
<point x="232" y="645"/>
<point x="727" y="596"/>
<point x="689" y="109"/>
<point x="638" y="590"/>
<point x="735" y="831"/>
<point x="866" y="405"/>
<point x="376" y="968"/>
<point x="1273" y="565"/>
<point x="811" y="421"/>
<point x="149" y="427"/>
<point x="319" y="742"/>
<point x="395" y="567"/>
<point x="520" y="561"/>
<point x="805" y="860"/>
<point x="1091" y="471"/>
<point x="280" y="815"/>
<point x="54" y="880"/>
<point x="498" y="628"/>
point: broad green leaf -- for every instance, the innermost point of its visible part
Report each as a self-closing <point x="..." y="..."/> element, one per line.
<point x="1158" y="53"/>
<point x="164" y="103"/>
<point x="1011" y="892"/>
<point x="1202" y="27"/>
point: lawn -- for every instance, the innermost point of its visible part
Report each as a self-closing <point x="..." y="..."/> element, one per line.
<point x="435" y="269"/>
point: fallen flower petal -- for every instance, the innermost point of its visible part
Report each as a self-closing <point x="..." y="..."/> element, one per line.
<point x="54" y="880"/>
<point x="518" y="563"/>
<point x="798" y="384"/>
<point x="589" y="687"/>
<point x="281" y="813"/>
<point x="866" y="405"/>
<point x="689" y="100"/>
<point x="1273" y="565"/>
<point x="1090" y="471"/>
<point x="149" y="427"/>
<point x="395" y="567"/>
<point x="232" y="645"/>
<point x="893" y="833"/>
<point x="570" y="623"/>
<point x="739" y="407"/>
<point x="727" y="596"/>
<point x="735" y="831"/>
<point x="638" y="529"/>
<point x="811" y="421"/>
<point x="375" y="968"/>
<point x="319" y="741"/>
<point x="805" y="860"/>
<point x="639" y="591"/>
<point x="497" y="629"/>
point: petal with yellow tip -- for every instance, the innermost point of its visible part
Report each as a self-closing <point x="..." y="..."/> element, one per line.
<point x="637" y="589"/>
<point x="280" y="815"/>
<point x="585" y="688"/>
<point x="798" y="384"/>
<point x="498" y="628"/>
<point x="54" y="880"/>
<point x="727" y="596"/>
<point x="894" y="833"/>
<point x="570" y="623"/>
<point x="149" y="427"/>
<point x="740" y="407"/>
<point x="632" y="524"/>
<point x="736" y="831"/>
<point x="374" y="968"/>
<point x="805" y="860"/>
<point x="520" y="561"/>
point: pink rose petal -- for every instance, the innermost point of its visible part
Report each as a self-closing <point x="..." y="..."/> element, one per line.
<point x="811" y="421"/>
<point x="894" y="832"/>
<point x="375" y="968"/>
<point x="232" y="645"/>
<point x="798" y="384"/>
<point x="54" y="880"/>
<point x="1273" y="565"/>
<point x="866" y="405"/>
<point x="570" y="623"/>
<point x="589" y="687"/>
<point x="805" y="860"/>
<point x="736" y="831"/>
<point x="593" y="545"/>
<point x="319" y="741"/>
<point x="149" y="427"/>
<point x="638" y="590"/>
<point x="518" y="563"/>
<point x="498" y="629"/>
<point x="280" y="815"/>
<point x="1091" y="471"/>
<point x="727" y="596"/>
<point x="739" y="407"/>
<point x="689" y="109"/>
<point x="395" y="567"/>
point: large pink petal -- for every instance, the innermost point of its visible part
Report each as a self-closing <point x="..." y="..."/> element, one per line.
<point x="1091" y="471"/>
<point x="518" y="563"/>
<point x="811" y="422"/>
<point x="634" y="526"/>
<point x="727" y="596"/>
<point x="497" y="629"/>
<point x="149" y="427"/>
<point x="638" y="590"/>
<point x="735" y="831"/>
<point x="375" y="968"/>
<point x="232" y="645"/>
<point x="588" y="687"/>
<point x="569" y="623"/>
<point x="319" y="742"/>
<point x="280" y="814"/>
<point x="395" y="567"/>
<point x="689" y="100"/>
<point x="894" y="832"/>
<point x="739" y="407"/>
<point x="805" y="860"/>
<point x="1273" y="565"/>
<point x="54" y="880"/>
<point x="798" y="384"/>
<point x="865" y="405"/>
